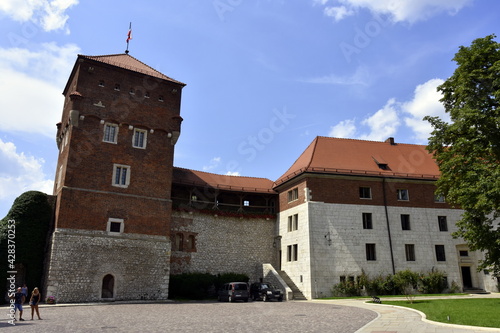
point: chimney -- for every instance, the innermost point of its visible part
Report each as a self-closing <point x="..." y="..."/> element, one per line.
<point x="391" y="141"/>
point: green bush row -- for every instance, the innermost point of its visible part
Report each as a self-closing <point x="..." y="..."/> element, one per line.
<point x="404" y="282"/>
<point x="200" y="285"/>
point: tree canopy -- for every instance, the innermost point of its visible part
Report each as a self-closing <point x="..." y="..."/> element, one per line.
<point x="467" y="149"/>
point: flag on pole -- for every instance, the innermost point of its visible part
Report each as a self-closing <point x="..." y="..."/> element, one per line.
<point x="129" y="36"/>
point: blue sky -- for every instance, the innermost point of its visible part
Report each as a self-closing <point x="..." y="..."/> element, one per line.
<point x="264" y="77"/>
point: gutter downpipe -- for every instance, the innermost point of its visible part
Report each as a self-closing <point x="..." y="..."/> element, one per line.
<point x="388" y="226"/>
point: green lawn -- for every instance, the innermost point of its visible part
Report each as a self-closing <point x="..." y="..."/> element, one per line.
<point x="476" y="312"/>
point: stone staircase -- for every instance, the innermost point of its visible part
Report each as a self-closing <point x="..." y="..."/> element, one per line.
<point x="297" y="294"/>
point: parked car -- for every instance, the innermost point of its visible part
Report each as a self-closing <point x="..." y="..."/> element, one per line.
<point x="265" y="292"/>
<point x="233" y="291"/>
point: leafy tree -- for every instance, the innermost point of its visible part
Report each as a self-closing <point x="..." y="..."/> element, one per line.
<point x="32" y="213"/>
<point x="467" y="149"/>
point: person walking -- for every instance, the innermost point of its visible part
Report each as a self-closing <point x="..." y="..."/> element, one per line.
<point x="34" y="300"/>
<point x="19" y="299"/>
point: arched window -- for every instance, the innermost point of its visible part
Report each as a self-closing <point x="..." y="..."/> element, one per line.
<point x="108" y="285"/>
<point x="179" y="242"/>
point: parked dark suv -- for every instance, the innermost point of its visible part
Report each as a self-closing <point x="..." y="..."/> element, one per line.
<point x="265" y="292"/>
<point x="233" y="291"/>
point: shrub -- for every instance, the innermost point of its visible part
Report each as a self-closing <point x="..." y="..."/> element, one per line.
<point x="380" y="285"/>
<point x="346" y="288"/>
<point x="406" y="283"/>
<point x="433" y="283"/>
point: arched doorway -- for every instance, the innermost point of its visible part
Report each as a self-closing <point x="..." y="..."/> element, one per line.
<point x="108" y="286"/>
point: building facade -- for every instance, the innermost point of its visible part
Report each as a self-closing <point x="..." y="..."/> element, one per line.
<point x="126" y="218"/>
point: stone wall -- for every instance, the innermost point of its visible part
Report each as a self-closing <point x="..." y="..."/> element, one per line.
<point x="224" y="244"/>
<point x="81" y="259"/>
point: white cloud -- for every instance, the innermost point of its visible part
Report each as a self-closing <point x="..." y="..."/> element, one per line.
<point x="214" y="163"/>
<point x="20" y="173"/>
<point x="344" y="129"/>
<point x="425" y="102"/>
<point x="360" y="77"/>
<point x="233" y="173"/>
<point x="386" y="121"/>
<point x="50" y="15"/>
<point x="338" y="13"/>
<point x="32" y="85"/>
<point x="408" y="10"/>
<point x="383" y="123"/>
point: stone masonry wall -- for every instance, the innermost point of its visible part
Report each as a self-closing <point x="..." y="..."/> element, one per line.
<point x="224" y="244"/>
<point x="81" y="259"/>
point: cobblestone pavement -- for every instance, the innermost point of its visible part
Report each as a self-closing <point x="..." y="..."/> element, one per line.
<point x="193" y="317"/>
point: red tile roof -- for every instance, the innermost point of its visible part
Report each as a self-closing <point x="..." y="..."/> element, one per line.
<point x="126" y="61"/>
<point x="222" y="182"/>
<point x="358" y="157"/>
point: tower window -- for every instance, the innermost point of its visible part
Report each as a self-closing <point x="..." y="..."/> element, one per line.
<point x="139" y="139"/>
<point x="115" y="225"/>
<point x="121" y="175"/>
<point x="110" y="133"/>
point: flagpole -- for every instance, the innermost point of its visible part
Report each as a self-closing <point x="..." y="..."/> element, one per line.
<point x="129" y="36"/>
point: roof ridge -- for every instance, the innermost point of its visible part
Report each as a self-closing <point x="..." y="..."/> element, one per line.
<point x="155" y="72"/>
<point x="363" y="140"/>
<point x="218" y="174"/>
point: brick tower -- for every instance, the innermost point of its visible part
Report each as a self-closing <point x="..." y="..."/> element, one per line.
<point x="120" y="122"/>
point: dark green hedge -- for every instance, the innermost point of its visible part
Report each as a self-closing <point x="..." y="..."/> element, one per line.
<point x="32" y="213"/>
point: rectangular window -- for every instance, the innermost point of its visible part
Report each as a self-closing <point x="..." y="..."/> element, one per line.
<point x="367" y="221"/>
<point x="121" y="175"/>
<point x="115" y="225"/>
<point x="295" y="225"/>
<point x="139" y="139"/>
<point x="370" y="252"/>
<point x="405" y="222"/>
<point x="292" y="253"/>
<point x="290" y="223"/>
<point x="439" y="198"/>
<point x="403" y="195"/>
<point x="293" y="194"/>
<point x="443" y="224"/>
<point x="464" y="253"/>
<point x="365" y="193"/>
<point x="110" y="133"/>
<point x="410" y="252"/>
<point x="246" y="203"/>
<point x="440" y="254"/>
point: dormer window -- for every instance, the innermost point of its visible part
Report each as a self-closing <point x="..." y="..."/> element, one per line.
<point x="381" y="163"/>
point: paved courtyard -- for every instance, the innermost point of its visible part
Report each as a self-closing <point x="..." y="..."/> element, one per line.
<point x="193" y="317"/>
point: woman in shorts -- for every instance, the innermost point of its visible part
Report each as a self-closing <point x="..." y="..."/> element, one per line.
<point x="34" y="300"/>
